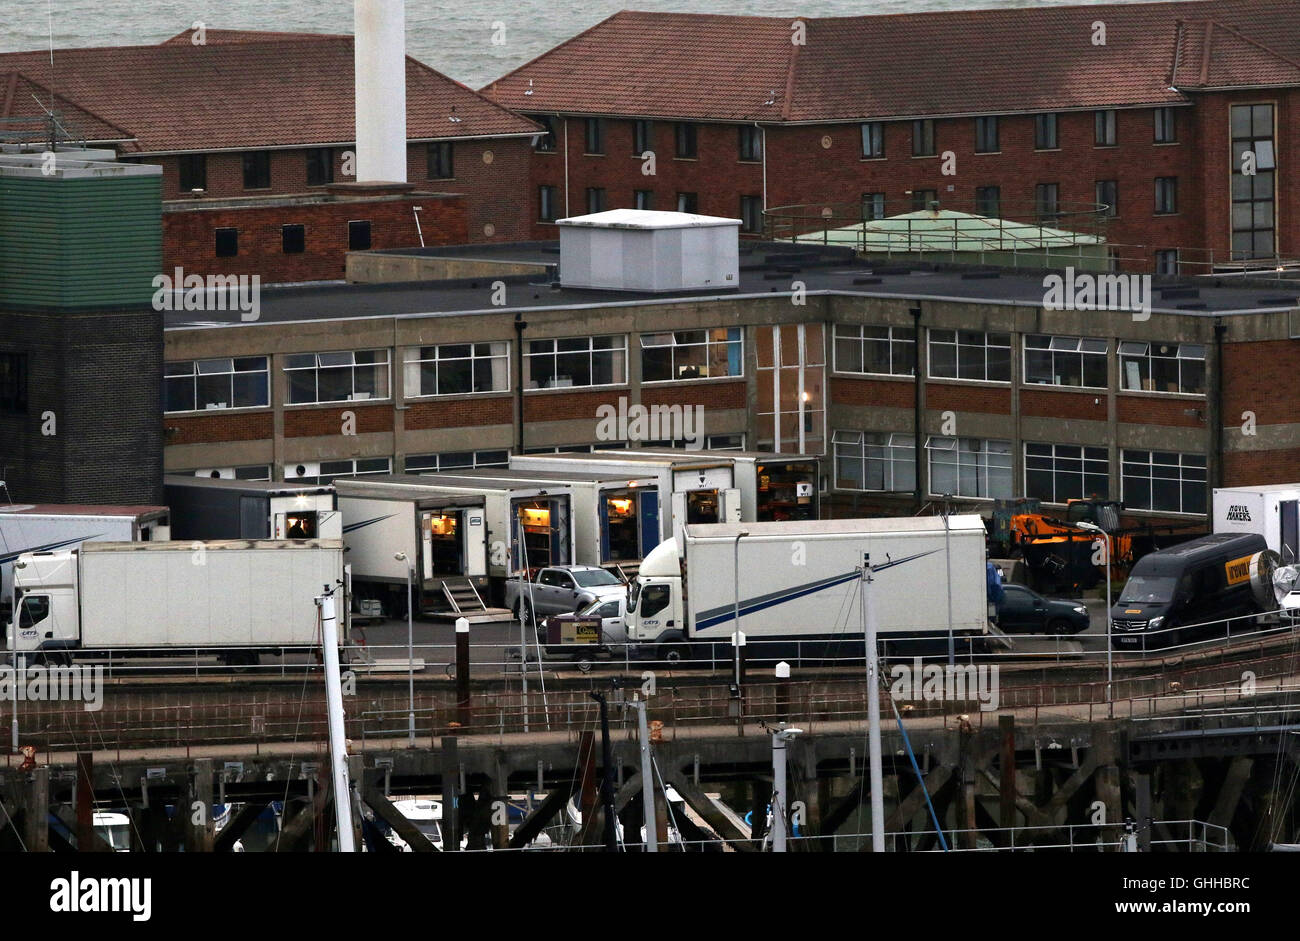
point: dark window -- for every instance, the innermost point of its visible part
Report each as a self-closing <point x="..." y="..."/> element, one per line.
<point x="257" y="170"/>
<point x="643" y="199"/>
<point x="642" y="137"/>
<point x="359" y="235"/>
<point x="441" y="166"/>
<point x="873" y="206"/>
<point x="13" y="382"/>
<point x="1047" y="201"/>
<point x="1254" y="181"/>
<point x="227" y="242"/>
<point x="988" y="201"/>
<point x="320" y="166"/>
<point x="293" y="239"/>
<point x="595" y="136"/>
<point x="1104" y="128"/>
<point x="1108" y="196"/>
<point x="1166" y="195"/>
<point x="686" y="143"/>
<point x="922" y="199"/>
<point x="595" y="199"/>
<point x="986" y="135"/>
<point x="1045" y="136"/>
<point x="873" y="140"/>
<point x="545" y="142"/>
<point x="546" y="203"/>
<point x="193" y="172"/>
<point x="751" y="143"/>
<point x="751" y="214"/>
<point x="1167" y="261"/>
<point x="1166" y="126"/>
<point x="923" y="138"/>
<point x="687" y="202"/>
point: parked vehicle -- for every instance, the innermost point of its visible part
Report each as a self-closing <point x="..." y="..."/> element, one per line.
<point x="221" y="508"/>
<point x="1205" y="580"/>
<point x="237" y="599"/>
<point x="773" y="487"/>
<point x="561" y="589"/>
<point x="1022" y="610"/>
<point x="1272" y="512"/>
<point x="798" y="591"/>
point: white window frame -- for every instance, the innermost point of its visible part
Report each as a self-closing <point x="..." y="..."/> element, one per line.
<point x="708" y="344"/>
<point x="386" y="362"/>
<point x="1182" y="478"/>
<point x="860" y="337"/>
<point x="1064" y="346"/>
<point x="620" y="346"/>
<point x="957" y="345"/>
<point x="1084" y="471"/>
<point x="478" y="458"/>
<point x="873" y="140"/>
<point x="413" y="364"/>
<point x="231" y="372"/>
<point x="897" y="448"/>
<point x="991" y="454"/>
<point x="1181" y="352"/>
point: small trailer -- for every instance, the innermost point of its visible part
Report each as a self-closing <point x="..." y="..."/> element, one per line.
<point x="1271" y="511"/>
<point x="773" y="487"/>
<point x="220" y="508"/>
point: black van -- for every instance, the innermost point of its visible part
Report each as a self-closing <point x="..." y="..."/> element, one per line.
<point x="1206" y="579"/>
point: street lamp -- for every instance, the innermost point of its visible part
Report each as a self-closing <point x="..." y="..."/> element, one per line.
<point x="410" y="650"/>
<point x="1105" y="541"/>
<point x="735" y="556"/>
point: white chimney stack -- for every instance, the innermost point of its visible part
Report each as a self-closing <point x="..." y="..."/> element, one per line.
<point x="380" y="64"/>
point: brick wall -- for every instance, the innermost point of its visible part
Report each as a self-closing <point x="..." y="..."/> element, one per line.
<point x="940" y="397"/>
<point x="717" y="395"/>
<point x="1258" y="468"/>
<point x="872" y="392"/>
<point x="569" y="405"/>
<point x="1041" y="404"/>
<point x="325" y="422"/>
<point x="1150" y="410"/>
<point x="460" y="413"/>
<point x="236" y="426"/>
<point x="1260" y="378"/>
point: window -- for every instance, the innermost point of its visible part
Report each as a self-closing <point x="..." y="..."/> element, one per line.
<point x="193" y="172"/>
<point x="873" y="140"/>
<point x="293" y="239"/>
<point x="1066" y="361"/>
<point x="1167" y="261"/>
<point x="642" y="137"/>
<point x="1166" y="195"/>
<point x="594" y="137"/>
<point x="687" y="202"/>
<point x="988" y="201"/>
<point x="986" y="135"/>
<point x="1056" y="473"/>
<point x="1162" y="367"/>
<point x="442" y="161"/>
<point x="226" y="242"/>
<point x="711" y="443"/>
<point x="1104" y="128"/>
<point x="595" y="199"/>
<point x="882" y="351"/>
<point x="257" y="170"/>
<point x="358" y="467"/>
<point x="654" y="598"/>
<point x="1253" y="194"/>
<point x="456" y="369"/>
<point x="751" y="143"/>
<point x="34" y="610"/>
<point x="1166" y="127"/>
<point x="969" y="354"/>
<point x="246" y="472"/>
<point x="924" y="199"/>
<point x="13" y="383"/>
<point x="874" y="461"/>
<point x="1047" y="201"/>
<point x="643" y="199"/>
<point x="336" y="377"/>
<point x="751" y="213"/>
<point x="575" y="361"/>
<point x="1045" y="132"/>
<point x="1107" y="196"/>
<point x="545" y="142"/>
<point x="692" y="354"/>
<point x="686" y="143"/>
<point x="873" y="206"/>
<point x="359" y="235"/>
<point x="456" y="460"/>
<point x="970" y="467"/>
<point x="216" y="383"/>
<point x="320" y="166"/>
<point x="1163" y="481"/>
<point x="923" y="138"/>
<point x="546" y="203"/>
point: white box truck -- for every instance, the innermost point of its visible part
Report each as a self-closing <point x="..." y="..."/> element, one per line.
<point x="237" y="598"/>
<point x="1271" y="511"/>
<point x="218" y="508"/>
<point x="692" y="488"/>
<point x="443" y="536"/>
<point x="799" y="586"/>
<point x="44" y="527"/>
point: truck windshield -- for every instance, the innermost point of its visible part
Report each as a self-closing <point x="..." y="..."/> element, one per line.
<point x="1148" y="589"/>
<point x="594" y="578"/>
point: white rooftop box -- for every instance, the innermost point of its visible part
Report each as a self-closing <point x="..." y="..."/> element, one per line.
<point x="644" y="250"/>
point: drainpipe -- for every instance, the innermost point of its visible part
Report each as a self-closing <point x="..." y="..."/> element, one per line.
<point x="915" y="311"/>
<point x="762" y="142"/>
<point x="520" y="325"/>
<point x="1220" y="328"/>
<point x="566" y="166"/>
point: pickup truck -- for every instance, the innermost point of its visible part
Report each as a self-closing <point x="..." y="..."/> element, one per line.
<point x="561" y="589"/>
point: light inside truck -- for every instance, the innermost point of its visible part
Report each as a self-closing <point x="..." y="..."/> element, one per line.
<point x="530" y="516"/>
<point x="442" y="525"/>
<point x="300" y="526"/>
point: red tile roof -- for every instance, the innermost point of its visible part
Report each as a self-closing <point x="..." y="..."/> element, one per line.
<point x="734" y="68"/>
<point x="243" y="91"/>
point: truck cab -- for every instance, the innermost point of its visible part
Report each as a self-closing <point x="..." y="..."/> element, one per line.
<point x="655" y="609"/>
<point x="48" y="614"/>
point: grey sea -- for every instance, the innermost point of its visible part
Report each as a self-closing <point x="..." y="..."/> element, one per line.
<point x="453" y="37"/>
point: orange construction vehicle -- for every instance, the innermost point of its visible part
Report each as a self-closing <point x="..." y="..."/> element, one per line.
<point x="1063" y="554"/>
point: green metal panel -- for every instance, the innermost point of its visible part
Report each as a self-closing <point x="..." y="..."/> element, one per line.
<point x="86" y="242"/>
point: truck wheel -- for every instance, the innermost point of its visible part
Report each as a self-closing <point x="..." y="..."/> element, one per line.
<point x="584" y="666"/>
<point x="673" y="654"/>
<point x="525" y="613"/>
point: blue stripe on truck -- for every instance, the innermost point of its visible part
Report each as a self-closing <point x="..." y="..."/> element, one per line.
<point x="353" y="527"/>
<point x="49" y="546"/>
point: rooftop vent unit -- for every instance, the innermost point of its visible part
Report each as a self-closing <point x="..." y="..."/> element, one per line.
<point x="644" y="250"/>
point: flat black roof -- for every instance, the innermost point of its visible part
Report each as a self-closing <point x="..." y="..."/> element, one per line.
<point x="766" y="268"/>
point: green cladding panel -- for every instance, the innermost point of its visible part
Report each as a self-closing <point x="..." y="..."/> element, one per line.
<point x="79" y="242"/>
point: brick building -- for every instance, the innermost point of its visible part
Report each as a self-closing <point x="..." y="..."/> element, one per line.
<point x="1131" y="116"/>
